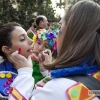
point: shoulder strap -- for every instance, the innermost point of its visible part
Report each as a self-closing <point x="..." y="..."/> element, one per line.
<point x="89" y="81"/>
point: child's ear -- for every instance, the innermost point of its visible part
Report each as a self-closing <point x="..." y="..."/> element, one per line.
<point x="41" y="21"/>
<point x="6" y="49"/>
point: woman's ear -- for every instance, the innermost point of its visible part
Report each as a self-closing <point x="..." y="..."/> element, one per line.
<point x="6" y="49"/>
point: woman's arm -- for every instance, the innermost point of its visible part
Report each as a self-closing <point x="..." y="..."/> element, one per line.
<point x="22" y="86"/>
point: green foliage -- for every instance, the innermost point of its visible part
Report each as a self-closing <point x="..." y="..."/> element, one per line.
<point x="23" y="10"/>
<point x="74" y="1"/>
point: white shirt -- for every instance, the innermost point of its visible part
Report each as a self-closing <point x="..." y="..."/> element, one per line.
<point x="52" y="90"/>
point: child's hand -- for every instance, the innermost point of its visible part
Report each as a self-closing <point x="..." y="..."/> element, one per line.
<point x="20" y="61"/>
<point x="44" y="58"/>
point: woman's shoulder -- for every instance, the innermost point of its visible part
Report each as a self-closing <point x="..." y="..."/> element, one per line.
<point x="70" y="89"/>
<point x="62" y="82"/>
<point x="56" y="87"/>
<point x="67" y="89"/>
<point x="48" y="81"/>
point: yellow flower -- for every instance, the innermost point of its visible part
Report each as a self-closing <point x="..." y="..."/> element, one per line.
<point x="2" y="75"/>
<point x="8" y="75"/>
<point x="34" y="39"/>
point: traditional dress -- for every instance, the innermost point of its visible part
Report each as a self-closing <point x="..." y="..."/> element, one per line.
<point x="56" y="86"/>
<point x="7" y="75"/>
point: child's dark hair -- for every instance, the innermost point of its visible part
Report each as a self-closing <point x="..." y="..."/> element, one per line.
<point x="6" y="35"/>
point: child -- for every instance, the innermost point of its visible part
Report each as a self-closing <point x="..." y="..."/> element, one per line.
<point x="43" y="39"/>
<point x="78" y="46"/>
<point x="12" y="37"/>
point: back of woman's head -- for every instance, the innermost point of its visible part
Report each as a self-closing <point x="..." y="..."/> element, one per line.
<point x="81" y="38"/>
<point x="6" y="35"/>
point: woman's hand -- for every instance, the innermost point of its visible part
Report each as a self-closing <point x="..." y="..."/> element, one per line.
<point x="20" y="61"/>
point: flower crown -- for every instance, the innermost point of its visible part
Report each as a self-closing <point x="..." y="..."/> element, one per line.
<point x="49" y="35"/>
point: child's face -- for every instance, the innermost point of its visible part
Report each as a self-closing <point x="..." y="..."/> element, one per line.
<point x="41" y="45"/>
<point x="21" y="40"/>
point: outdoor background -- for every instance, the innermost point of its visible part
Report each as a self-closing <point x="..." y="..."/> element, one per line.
<point x="23" y="10"/>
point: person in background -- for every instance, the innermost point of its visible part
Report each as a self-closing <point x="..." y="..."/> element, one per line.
<point x="41" y="22"/>
<point x="32" y="30"/>
<point x="50" y="23"/>
<point x="78" y="45"/>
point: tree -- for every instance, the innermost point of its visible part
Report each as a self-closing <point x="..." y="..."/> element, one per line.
<point x="62" y="3"/>
<point x="74" y="1"/>
<point x="22" y="10"/>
